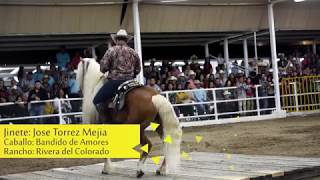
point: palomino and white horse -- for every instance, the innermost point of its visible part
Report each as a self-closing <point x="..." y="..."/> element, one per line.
<point x="143" y="105"/>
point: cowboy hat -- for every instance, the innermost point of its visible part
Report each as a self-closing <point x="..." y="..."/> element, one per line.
<point x="121" y="33"/>
<point x="172" y="78"/>
<point x="197" y="81"/>
<point x="191" y="72"/>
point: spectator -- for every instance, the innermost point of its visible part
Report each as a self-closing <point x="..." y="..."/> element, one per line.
<point x="222" y="77"/>
<point x="194" y="59"/>
<point x="264" y="92"/>
<point x="271" y="102"/>
<point x="73" y="86"/>
<point x="69" y="69"/>
<point x="250" y="94"/>
<point x="184" y="98"/>
<point x="76" y="60"/>
<point x="27" y="84"/>
<point x="182" y="79"/>
<point x="3" y="90"/>
<point x="200" y="96"/>
<point x="192" y="76"/>
<point x="46" y="86"/>
<point x="175" y="71"/>
<point x="20" y="107"/>
<point x="5" y="110"/>
<point x="220" y="62"/>
<point x="241" y="92"/>
<point x="21" y="74"/>
<point x="207" y="67"/>
<point x="38" y="75"/>
<point x="186" y="63"/>
<point x="153" y="85"/>
<point x="65" y="104"/>
<point x="172" y="80"/>
<point x="187" y="70"/>
<point x="63" y="58"/>
<point x="62" y="80"/>
<point x="165" y="67"/>
<point x="37" y="94"/>
<point x="163" y="87"/>
<point x="14" y="93"/>
<point x="53" y="72"/>
<point x="226" y="106"/>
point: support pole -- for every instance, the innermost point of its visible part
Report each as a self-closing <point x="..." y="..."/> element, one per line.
<point x="226" y="55"/>
<point x="246" y="60"/>
<point x="274" y="56"/>
<point x="255" y="46"/>
<point x="206" y="50"/>
<point x="93" y="52"/>
<point x="137" y="38"/>
<point x="314" y="47"/>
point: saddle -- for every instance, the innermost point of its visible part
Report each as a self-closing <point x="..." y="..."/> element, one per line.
<point x="119" y="100"/>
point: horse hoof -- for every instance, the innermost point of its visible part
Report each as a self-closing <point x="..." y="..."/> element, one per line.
<point x="140" y="174"/>
<point x="158" y="173"/>
<point x="104" y="172"/>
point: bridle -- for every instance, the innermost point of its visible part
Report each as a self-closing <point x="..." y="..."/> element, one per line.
<point x="85" y="65"/>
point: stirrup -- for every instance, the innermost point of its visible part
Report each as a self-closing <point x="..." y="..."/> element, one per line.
<point x="111" y="105"/>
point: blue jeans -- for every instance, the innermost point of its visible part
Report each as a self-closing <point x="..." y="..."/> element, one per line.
<point x="107" y="91"/>
<point x="37" y="110"/>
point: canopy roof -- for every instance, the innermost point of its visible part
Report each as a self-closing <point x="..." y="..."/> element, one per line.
<point x="46" y="24"/>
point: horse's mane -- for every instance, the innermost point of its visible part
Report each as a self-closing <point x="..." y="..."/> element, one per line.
<point x="92" y="82"/>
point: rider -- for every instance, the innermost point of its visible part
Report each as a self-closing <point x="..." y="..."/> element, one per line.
<point x="122" y="63"/>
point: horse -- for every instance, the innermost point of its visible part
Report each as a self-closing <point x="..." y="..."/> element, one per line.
<point x="143" y="105"/>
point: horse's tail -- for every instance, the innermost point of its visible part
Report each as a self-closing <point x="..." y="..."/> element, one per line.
<point x="171" y="127"/>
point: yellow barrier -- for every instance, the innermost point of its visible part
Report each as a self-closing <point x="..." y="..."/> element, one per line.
<point x="306" y="96"/>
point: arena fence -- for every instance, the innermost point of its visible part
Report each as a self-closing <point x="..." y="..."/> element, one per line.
<point x="49" y="114"/>
<point x="219" y="104"/>
<point x="300" y="93"/>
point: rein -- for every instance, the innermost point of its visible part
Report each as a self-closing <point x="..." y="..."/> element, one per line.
<point x="83" y="70"/>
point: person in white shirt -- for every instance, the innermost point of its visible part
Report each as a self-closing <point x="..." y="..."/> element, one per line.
<point x="221" y="61"/>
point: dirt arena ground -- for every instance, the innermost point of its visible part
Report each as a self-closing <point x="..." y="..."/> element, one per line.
<point x="294" y="136"/>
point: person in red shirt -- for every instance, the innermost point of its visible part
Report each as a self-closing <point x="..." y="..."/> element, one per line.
<point x="207" y="67"/>
<point x="75" y="60"/>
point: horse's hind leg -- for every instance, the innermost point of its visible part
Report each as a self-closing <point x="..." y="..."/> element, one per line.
<point x="163" y="168"/>
<point x="107" y="166"/>
<point x="144" y="140"/>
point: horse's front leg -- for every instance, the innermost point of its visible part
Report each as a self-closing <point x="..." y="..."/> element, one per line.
<point x="144" y="156"/>
<point x="107" y="166"/>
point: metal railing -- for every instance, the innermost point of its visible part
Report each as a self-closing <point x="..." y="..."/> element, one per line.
<point x="215" y="105"/>
<point x="216" y="101"/>
<point x="59" y="114"/>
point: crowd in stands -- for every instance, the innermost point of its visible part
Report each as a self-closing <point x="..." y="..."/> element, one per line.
<point x="54" y="83"/>
<point x="194" y="76"/>
<point x="60" y="82"/>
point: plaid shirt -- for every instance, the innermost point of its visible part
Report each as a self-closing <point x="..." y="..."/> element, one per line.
<point x="122" y="62"/>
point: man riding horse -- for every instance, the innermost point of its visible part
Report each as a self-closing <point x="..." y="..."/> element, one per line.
<point x="122" y="63"/>
<point x="135" y="104"/>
